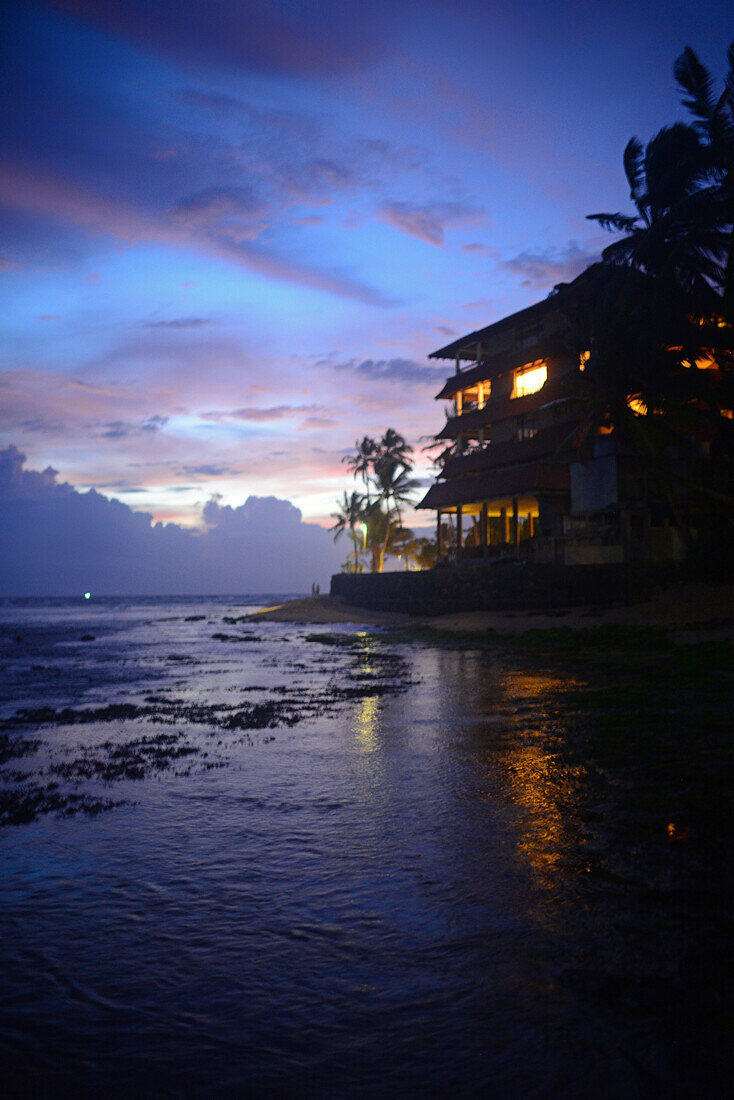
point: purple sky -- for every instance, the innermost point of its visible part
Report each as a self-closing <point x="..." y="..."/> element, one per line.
<point x="232" y="230"/>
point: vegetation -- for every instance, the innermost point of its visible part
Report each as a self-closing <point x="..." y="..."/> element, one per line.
<point x="657" y="314"/>
<point x="373" y="518"/>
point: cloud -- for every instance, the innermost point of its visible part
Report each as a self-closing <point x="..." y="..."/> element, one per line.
<point x="401" y="371"/>
<point x="229" y="241"/>
<point x="154" y="423"/>
<point x="208" y="469"/>
<point x="551" y="266"/>
<point x="115" y="430"/>
<point x="233" y="212"/>
<point x="428" y="221"/>
<point x="297" y="39"/>
<point x="180" y="322"/>
<point x="263" y="416"/>
<point x="57" y="541"/>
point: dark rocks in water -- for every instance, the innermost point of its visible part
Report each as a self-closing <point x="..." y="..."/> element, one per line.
<point x="88" y="637"/>
<point x="262" y="716"/>
<point x="132" y="760"/>
<point x="194" y="618"/>
<point x="13" y="747"/>
<point x="67" y="716"/>
<point x="237" y="637"/>
<point x="23" y="805"/>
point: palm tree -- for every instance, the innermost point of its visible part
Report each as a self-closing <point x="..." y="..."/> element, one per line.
<point x="649" y="313"/>
<point x="361" y="462"/>
<point x="394" y="447"/>
<point x="394" y="488"/>
<point x="350" y="514"/>
<point x="672" y="237"/>
<point x="714" y="124"/>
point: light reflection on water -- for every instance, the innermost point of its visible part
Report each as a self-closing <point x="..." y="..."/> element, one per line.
<point x="349" y="905"/>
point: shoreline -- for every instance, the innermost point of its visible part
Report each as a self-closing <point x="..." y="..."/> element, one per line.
<point x="702" y="611"/>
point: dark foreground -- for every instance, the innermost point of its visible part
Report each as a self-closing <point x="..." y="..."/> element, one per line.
<point x="267" y="859"/>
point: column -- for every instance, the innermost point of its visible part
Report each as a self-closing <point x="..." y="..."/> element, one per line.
<point x="458" y="532"/>
<point x="438" y="536"/>
<point x="515" y="524"/>
<point x="485" y="529"/>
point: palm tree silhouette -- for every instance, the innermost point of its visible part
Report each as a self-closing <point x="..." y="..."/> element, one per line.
<point x="361" y="462"/>
<point x="714" y="124"/>
<point x="351" y="512"/>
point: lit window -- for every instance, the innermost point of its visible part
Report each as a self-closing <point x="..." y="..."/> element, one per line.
<point x="637" y="405"/>
<point x="584" y="359"/>
<point x="531" y="378"/>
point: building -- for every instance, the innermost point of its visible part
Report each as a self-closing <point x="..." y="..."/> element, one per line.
<point x="512" y="410"/>
<point x="515" y="481"/>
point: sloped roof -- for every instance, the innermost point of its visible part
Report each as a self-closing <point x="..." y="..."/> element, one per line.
<point x="531" y="477"/>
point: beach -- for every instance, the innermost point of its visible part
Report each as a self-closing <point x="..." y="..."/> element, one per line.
<point x="253" y="852"/>
<point x="685" y="609"/>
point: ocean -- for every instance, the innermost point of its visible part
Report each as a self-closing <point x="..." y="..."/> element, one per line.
<point x="269" y="859"/>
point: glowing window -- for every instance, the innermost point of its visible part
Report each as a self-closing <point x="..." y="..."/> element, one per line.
<point x="531" y="378"/>
<point x="637" y="405"/>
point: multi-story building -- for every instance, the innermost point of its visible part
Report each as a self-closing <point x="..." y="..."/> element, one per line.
<point x="513" y="409"/>
<point x="514" y="481"/>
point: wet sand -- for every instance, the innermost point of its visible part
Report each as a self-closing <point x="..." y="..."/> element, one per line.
<point x="701" y="611"/>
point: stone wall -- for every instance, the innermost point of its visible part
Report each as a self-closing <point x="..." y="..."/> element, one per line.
<point x="497" y="587"/>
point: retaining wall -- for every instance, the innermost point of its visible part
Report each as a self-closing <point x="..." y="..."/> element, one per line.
<point x="498" y="587"/>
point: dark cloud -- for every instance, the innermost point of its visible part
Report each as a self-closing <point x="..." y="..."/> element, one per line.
<point x="154" y="423"/>
<point x="428" y="221"/>
<point x="115" y="430"/>
<point x="551" y="266"/>
<point x="180" y="322"/>
<point x="404" y="371"/>
<point x="42" y="426"/>
<point x="296" y="38"/>
<point x="208" y="469"/>
<point x="57" y="541"/>
<point x="263" y="416"/>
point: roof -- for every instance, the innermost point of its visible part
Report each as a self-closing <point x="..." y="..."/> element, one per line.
<point x="530" y="477"/>
<point x="465" y="347"/>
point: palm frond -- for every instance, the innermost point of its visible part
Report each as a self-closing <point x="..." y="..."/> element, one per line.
<point x="634" y="169"/>
<point x="614" y="223"/>
<point x="696" y="83"/>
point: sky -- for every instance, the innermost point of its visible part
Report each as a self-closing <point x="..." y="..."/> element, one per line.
<point x="231" y="231"/>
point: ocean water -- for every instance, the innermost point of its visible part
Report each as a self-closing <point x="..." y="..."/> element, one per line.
<point x="267" y="859"/>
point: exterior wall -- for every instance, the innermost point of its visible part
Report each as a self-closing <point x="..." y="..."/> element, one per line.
<point x="594" y="484"/>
